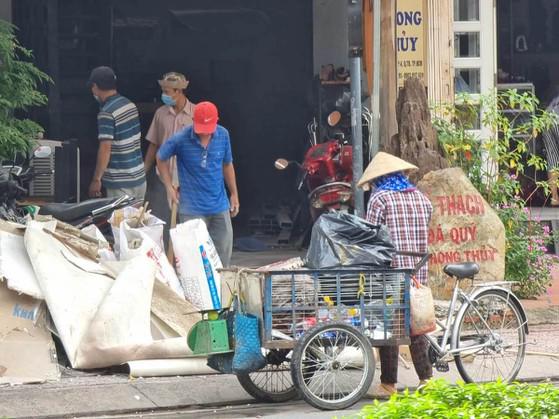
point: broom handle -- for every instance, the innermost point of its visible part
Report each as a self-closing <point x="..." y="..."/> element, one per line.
<point x="170" y="252"/>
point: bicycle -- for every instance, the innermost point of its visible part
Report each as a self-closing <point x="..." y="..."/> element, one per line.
<point x="487" y="331"/>
<point x="489" y="326"/>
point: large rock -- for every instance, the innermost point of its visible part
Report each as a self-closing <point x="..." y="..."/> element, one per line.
<point x="463" y="228"/>
<point x="417" y="140"/>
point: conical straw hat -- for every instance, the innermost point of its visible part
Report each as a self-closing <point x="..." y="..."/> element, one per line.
<point x="383" y="164"/>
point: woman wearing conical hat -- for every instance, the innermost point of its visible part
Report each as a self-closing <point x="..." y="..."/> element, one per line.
<point x="398" y="204"/>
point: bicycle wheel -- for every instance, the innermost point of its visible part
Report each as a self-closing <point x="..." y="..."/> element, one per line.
<point x="332" y="366"/>
<point x="491" y="338"/>
<point x="272" y="383"/>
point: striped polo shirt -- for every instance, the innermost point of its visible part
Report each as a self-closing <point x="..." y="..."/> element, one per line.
<point x="118" y="122"/>
<point x="202" y="187"/>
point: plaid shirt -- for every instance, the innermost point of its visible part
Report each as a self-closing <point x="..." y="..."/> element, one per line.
<point x="407" y="215"/>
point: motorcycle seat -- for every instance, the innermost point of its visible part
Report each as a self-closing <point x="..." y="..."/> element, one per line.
<point x="69" y="212"/>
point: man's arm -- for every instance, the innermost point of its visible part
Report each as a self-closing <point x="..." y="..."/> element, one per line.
<point x="106" y="131"/>
<point x="103" y="158"/>
<point x="231" y="182"/>
<point x="166" y="151"/>
<point x="150" y="156"/>
<point x="154" y="138"/>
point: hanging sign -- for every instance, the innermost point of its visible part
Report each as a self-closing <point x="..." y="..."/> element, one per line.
<point x="411" y="40"/>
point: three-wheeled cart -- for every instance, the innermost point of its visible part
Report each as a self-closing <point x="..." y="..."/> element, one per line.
<point x="319" y="328"/>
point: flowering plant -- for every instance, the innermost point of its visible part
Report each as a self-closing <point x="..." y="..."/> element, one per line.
<point x="494" y="166"/>
<point x="526" y="259"/>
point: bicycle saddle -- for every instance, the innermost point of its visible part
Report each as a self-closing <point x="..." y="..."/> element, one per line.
<point x="462" y="270"/>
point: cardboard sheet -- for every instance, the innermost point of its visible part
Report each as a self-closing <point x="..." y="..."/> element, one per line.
<point x="27" y="352"/>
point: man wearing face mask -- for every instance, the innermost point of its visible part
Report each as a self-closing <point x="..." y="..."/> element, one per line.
<point x="119" y="167"/>
<point x="175" y="115"/>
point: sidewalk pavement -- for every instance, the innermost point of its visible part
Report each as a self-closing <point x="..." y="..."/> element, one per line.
<point x="89" y="394"/>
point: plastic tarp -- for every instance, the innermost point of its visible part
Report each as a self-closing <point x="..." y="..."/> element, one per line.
<point x="101" y="321"/>
<point x="340" y="239"/>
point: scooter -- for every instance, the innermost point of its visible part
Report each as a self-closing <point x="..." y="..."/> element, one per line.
<point x="13" y="182"/>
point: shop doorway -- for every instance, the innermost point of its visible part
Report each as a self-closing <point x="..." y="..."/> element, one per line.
<point x="528" y="60"/>
<point x="254" y="59"/>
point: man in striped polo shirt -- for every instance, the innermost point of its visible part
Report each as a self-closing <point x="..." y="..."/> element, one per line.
<point x="205" y="165"/>
<point x="120" y="167"/>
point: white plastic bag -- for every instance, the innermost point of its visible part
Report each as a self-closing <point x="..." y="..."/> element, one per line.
<point x="134" y="242"/>
<point x="197" y="264"/>
<point x="153" y="227"/>
<point x="422" y="308"/>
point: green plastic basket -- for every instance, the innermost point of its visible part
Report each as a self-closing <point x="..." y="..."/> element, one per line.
<point x="209" y="337"/>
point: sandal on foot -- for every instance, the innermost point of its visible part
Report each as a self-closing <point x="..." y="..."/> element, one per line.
<point x="381" y="392"/>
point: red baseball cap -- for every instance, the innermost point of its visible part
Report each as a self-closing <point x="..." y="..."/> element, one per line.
<point x="205" y="118"/>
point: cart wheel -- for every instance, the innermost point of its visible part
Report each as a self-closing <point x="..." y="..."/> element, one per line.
<point x="272" y="383"/>
<point x="332" y="366"/>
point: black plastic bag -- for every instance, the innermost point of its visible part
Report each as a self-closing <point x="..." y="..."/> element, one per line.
<point x="340" y="239"/>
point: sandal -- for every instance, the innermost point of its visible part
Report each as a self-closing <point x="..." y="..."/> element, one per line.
<point x="381" y="392"/>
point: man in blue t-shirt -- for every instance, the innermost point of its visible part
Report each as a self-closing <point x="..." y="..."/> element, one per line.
<point x="205" y="165"/>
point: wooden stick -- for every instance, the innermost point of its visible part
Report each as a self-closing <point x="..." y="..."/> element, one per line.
<point x="142" y="211"/>
<point x="70" y="229"/>
<point x="170" y="252"/>
<point x="83" y="249"/>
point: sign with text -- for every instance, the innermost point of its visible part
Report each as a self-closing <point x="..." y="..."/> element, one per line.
<point x="463" y="228"/>
<point x="411" y="40"/>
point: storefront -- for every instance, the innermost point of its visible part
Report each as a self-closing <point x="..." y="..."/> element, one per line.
<point x="259" y="62"/>
<point x="253" y="59"/>
<point x="508" y="44"/>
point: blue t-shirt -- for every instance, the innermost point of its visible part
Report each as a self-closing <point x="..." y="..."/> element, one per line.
<point x="200" y="170"/>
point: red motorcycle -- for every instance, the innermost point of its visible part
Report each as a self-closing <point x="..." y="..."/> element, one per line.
<point x="327" y="173"/>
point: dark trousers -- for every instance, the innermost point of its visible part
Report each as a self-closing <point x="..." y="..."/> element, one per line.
<point x="389" y="360"/>
<point x="156" y="194"/>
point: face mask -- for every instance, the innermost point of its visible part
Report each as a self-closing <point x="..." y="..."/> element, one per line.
<point x="168" y="100"/>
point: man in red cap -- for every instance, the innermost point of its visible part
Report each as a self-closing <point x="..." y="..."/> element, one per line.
<point x="205" y="165"/>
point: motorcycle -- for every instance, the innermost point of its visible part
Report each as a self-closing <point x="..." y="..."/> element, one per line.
<point x="14" y="179"/>
<point x="327" y="173"/>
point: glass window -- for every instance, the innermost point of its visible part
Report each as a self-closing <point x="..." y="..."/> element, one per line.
<point x="467" y="80"/>
<point x="466" y="44"/>
<point x="466" y="10"/>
